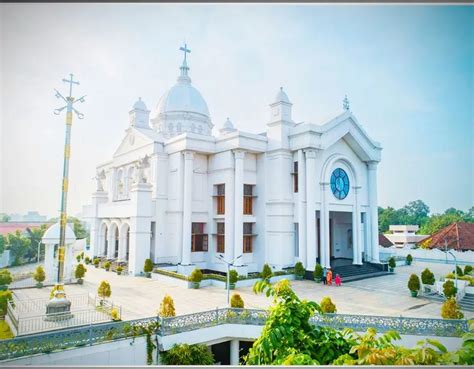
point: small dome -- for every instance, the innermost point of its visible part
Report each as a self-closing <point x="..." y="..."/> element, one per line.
<point x="140" y="105"/>
<point x="51" y="236"/>
<point x="228" y="124"/>
<point x="282" y="96"/>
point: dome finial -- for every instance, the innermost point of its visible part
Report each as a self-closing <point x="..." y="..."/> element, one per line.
<point x="184" y="67"/>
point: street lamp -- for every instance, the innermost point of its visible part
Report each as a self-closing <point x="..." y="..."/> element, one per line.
<point x="228" y="263"/>
<point x="455" y="268"/>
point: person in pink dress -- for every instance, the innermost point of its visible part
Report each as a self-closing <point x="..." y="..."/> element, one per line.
<point x="338" y="280"/>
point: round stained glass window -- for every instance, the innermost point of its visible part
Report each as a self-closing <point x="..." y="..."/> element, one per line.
<point x="339" y="183"/>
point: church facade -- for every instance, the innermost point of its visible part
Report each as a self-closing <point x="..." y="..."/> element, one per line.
<point x="177" y="194"/>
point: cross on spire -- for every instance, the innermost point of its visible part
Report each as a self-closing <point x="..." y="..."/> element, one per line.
<point x="345" y="103"/>
<point x="185" y="50"/>
<point x="71" y="82"/>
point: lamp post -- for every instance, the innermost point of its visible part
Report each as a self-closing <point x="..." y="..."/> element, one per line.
<point x="455" y="269"/>
<point x="228" y="263"/>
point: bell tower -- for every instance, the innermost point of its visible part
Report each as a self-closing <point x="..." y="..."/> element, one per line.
<point x="280" y="122"/>
<point x="139" y="115"/>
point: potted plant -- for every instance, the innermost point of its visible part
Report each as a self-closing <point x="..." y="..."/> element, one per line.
<point x="409" y="259"/>
<point x="391" y="264"/>
<point x="318" y="273"/>
<point x="148" y="268"/>
<point x="233" y="278"/>
<point x="119" y="270"/>
<point x="195" y="278"/>
<point x="107" y="265"/>
<point x="266" y="273"/>
<point x="39" y="276"/>
<point x="299" y="270"/>
<point x="96" y="262"/>
<point x="104" y="291"/>
<point x="167" y="309"/>
<point x="5" y="279"/>
<point x="414" y="285"/>
<point x="79" y="273"/>
<point x="427" y="278"/>
<point x="87" y="260"/>
<point x="449" y="289"/>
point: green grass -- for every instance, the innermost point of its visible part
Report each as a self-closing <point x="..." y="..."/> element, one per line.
<point x="5" y="332"/>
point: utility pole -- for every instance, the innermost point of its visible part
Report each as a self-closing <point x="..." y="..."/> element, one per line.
<point x="70" y="101"/>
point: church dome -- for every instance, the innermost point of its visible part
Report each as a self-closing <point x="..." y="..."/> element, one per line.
<point x="182" y="108"/>
<point x="282" y="96"/>
<point x="140" y="105"/>
<point x="182" y="97"/>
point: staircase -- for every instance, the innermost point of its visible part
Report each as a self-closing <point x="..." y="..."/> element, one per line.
<point x="466" y="303"/>
<point x="353" y="272"/>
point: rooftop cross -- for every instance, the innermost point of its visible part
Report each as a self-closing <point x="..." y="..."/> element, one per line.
<point x="71" y="82"/>
<point x="185" y="50"/>
<point x="345" y="103"/>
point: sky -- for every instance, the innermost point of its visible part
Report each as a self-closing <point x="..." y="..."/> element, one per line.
<point x="407" y="70"/>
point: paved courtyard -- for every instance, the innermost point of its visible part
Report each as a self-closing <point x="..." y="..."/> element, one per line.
<point x="141" y="297"/>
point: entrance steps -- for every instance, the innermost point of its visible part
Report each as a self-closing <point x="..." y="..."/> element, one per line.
<point x="353" y="272"/>
<point x="466" y="303"/>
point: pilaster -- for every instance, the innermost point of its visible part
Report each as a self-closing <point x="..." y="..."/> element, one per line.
<point x="310" y="209"/>
<point x="302" y="207"/>
<point x="187" y="206"/>
<point x="239" y="156"/>
<point x="374" y="229"/>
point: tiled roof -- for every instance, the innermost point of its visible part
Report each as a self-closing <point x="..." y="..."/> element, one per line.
<point x="12" y="227"/>
<point x="459" y="236"/>
<point x="384" y="241"/>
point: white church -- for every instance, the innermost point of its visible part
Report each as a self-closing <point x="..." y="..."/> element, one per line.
<point x="178" y="194"/>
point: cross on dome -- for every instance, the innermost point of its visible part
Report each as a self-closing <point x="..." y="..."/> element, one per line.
<point x="185" y="50"/>
<point x="184" y="67"/>
<point x="345" y="103"/>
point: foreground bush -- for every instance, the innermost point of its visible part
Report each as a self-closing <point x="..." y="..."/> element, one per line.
<point x="39" y="276"/>
<point x="236" y="301"/>
<point x="104" y="291"/>
<point x="267" y="272"/>
<point x="167" y="307"/>
<point x="327" y="306"/>
<point x="184" y="354"/>
<point x="5" y="278"/>
<point x="5" y="296"/>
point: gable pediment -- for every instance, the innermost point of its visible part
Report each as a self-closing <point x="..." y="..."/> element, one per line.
<point x="132" y="141"/>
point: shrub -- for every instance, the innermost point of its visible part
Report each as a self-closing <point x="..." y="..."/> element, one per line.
<point x="39" y="275"/>
<point x="5" y="296"/>
<point x="299" y="269"/>
<point x="409" y="259"/>
<point x="318" y="271"/>
<point x="78" y="258"/>
<point x="119" y="269"/>
<point x="184" y="354"/>
<point x="5" y="277"/>
<point x="459" y="271"/>
<point x="233" y="276"/>
<point x="467" y="269"/>
<point x="448" y="289"/>
<point x="327" y="305"/>
<point x="96" y="262"/>
<point x="107" y="265"/>
<point x="414" y="283"/>
<point x="167" y="307"/>
<point x="80" y="271"/>
<point x="236" y="301"/>
<point x="392" y="262"/>
<point x="196" y="276"/>
<point x="450" y="309"/>
<point x="266" y="272"/>
<point x="104" y="290"/>
<point x="148" y="267"/>
<point x="87" y="260"/>
<point x="427" y="277"/>
<point x="114" y="314"/>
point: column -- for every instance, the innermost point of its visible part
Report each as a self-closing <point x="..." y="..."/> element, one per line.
<point x="229" y="214"/>
<point x="98" y="198"/>
<point x="111" y="242"/>
<point x="356" y="257"/>
<point x="324" y="227"/>
<point x="302" y="207"/>
<point x="49" y="262"/>
<point x="234" y="352"/>
<point x="180" y="191"/>
<point x="187" y="207"/>
<point x="122" y="243"/>
<point x="374" y="217"/>
<point x="310" y="209"/>
<point x="69" y="262"/>
<point x="239" y="205"/>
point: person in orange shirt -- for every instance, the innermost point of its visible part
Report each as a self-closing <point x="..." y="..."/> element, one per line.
<point x="329" y="276"/>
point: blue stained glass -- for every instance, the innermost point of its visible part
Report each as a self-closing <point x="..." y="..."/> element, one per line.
<point x="339" y="183"/>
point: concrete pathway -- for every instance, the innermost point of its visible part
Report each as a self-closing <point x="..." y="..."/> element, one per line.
<point x="141" y="297"/>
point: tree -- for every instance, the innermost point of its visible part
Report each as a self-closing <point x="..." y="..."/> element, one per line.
<point x="5" y="277"/>
<point x="2" y="244"/>
<point x="449" y="289"/>
<point x="450" y="309"/>
<point x="5" y="296"/>
<point x="266" y="272"/>
<point x="288" y="335"/>
<point x="39" y="275"/>
<point x="167" y="307"/>
<point x="184" y="354"/>
<point x="78" y="227"/>
<point x="236" y="301"/>
<point x="414" y="284"/>
<point x="416" y="212"/>
<point x="5" y="218"/>
<point x="104" y="291"/>
<point x="19" y="247"/>
<point x="427" y="277"/>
